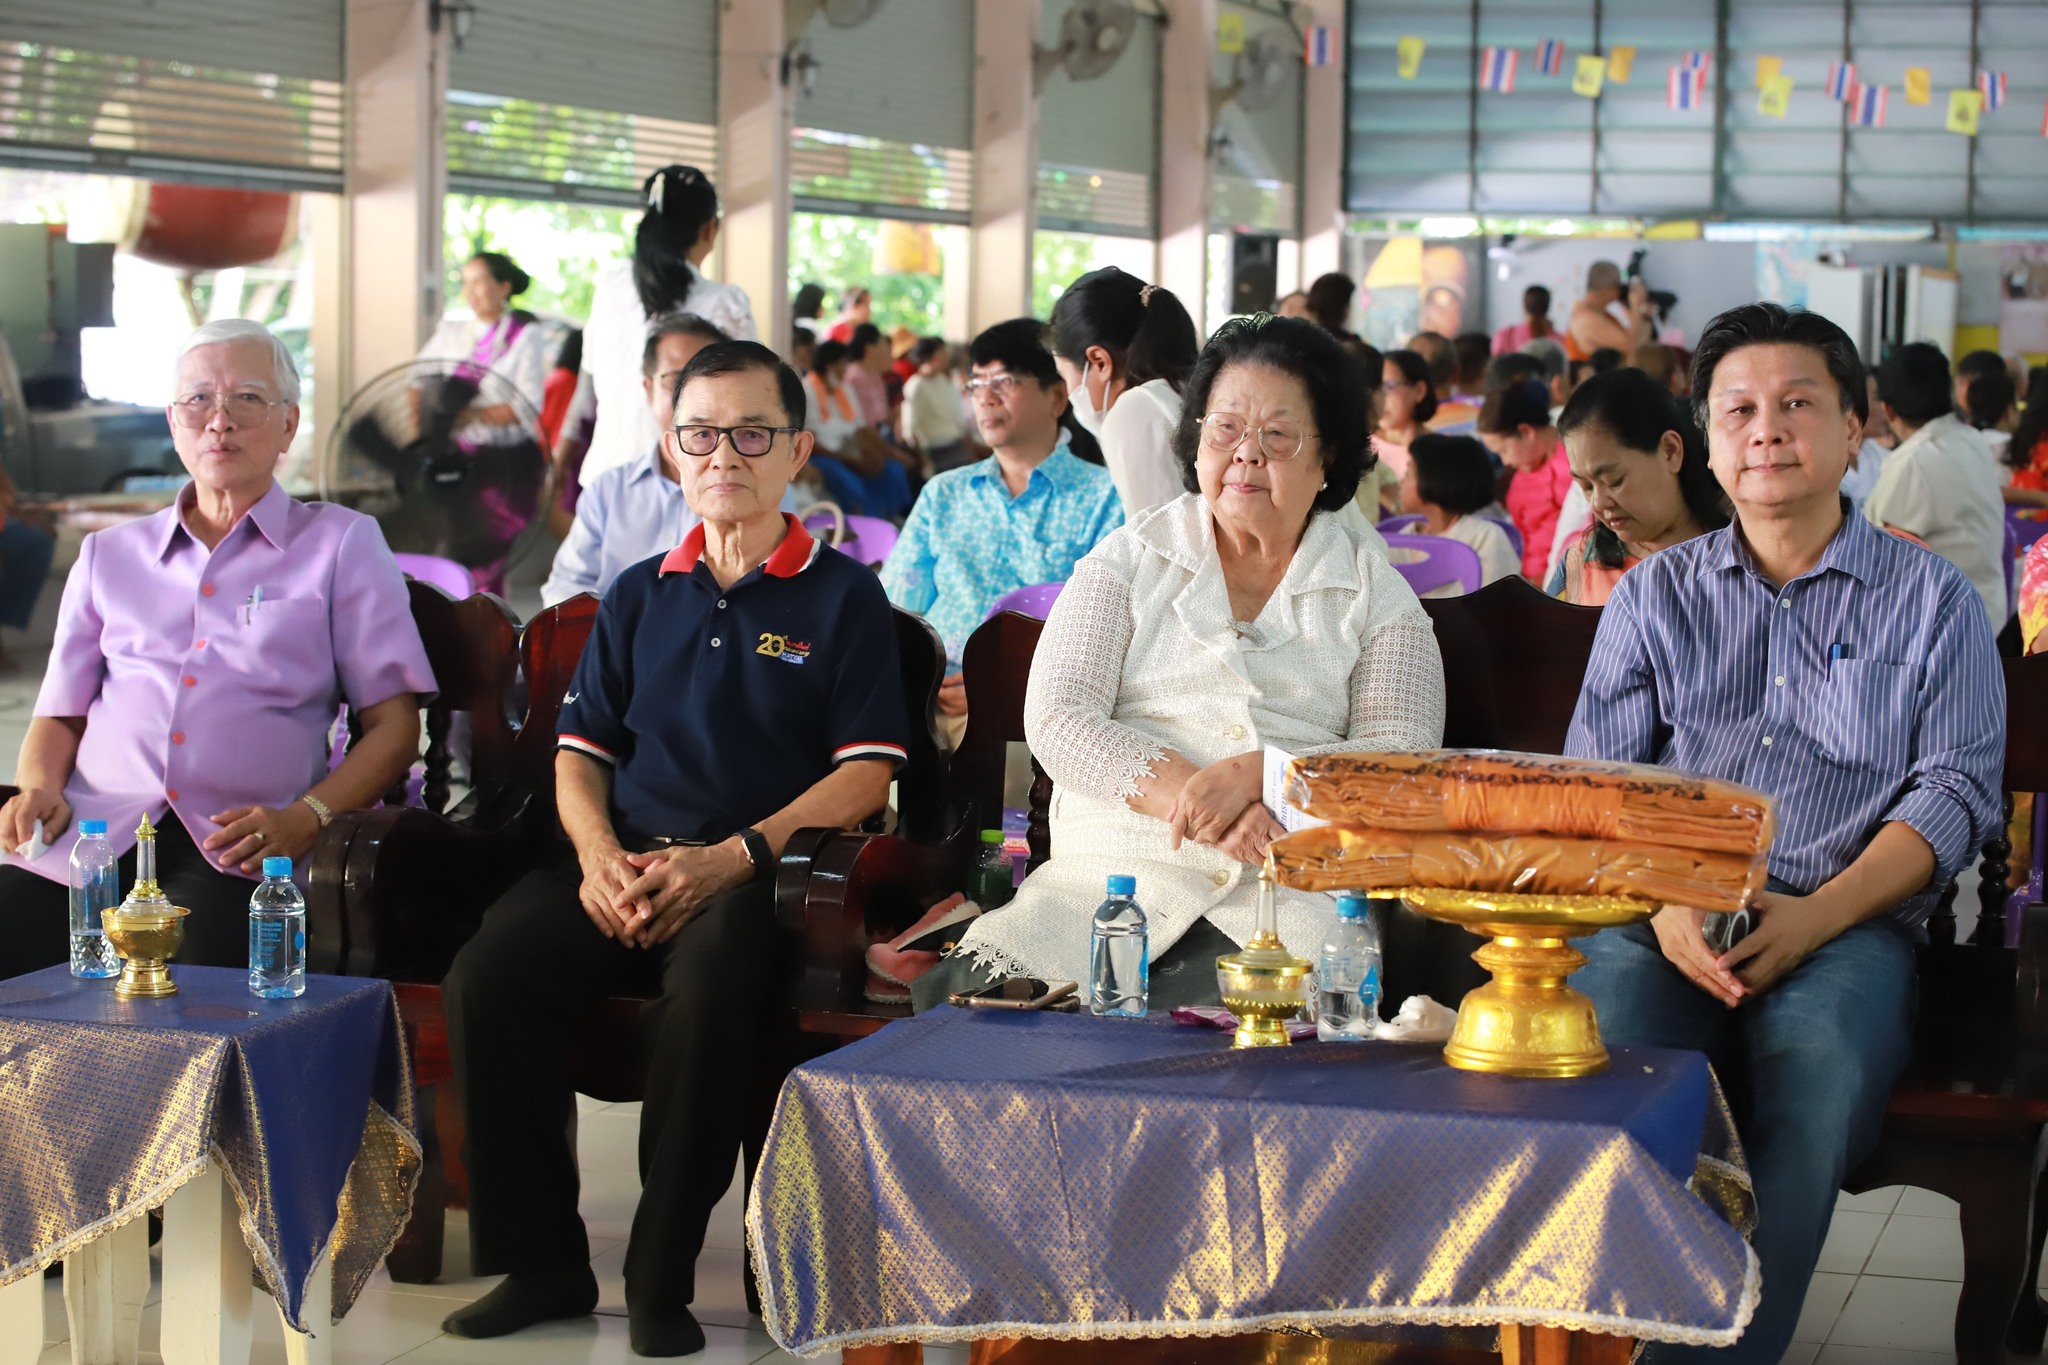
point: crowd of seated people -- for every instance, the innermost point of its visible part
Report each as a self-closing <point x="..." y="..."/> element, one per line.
<point x="1222" y="588"/>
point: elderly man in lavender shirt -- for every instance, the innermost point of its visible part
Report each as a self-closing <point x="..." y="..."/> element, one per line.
<point x="200" y="656"/>
<point x="1850" y="674"/>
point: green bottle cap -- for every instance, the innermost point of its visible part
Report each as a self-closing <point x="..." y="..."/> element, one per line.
<point x="991" y="836"/>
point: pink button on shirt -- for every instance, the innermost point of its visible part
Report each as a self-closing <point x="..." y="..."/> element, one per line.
<point x="209" y="679"/>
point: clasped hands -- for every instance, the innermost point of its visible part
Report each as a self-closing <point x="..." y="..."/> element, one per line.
<point x="1786" y="929"/>
<point x="1217" y="806"/>
<point x="644" y="899"/>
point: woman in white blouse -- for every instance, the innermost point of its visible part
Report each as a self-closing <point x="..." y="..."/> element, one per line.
<point x="1125" y="348"/>
<point x="664" y="276"/>
<point x="495" y="337"/>
<point x="1233" y="617"/>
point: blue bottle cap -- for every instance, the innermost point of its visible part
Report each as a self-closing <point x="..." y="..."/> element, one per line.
<point x="89" y="827"/>
<point x="277" y="867"/>
<point x="1123" y="886"/>
<point x="1353" y="907"/>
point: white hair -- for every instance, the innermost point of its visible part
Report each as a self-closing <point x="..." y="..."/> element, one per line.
<point x="285" y="373"/>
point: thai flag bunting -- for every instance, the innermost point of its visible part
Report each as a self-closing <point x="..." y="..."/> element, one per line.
<point x="1698" y="61"/>
<point x="1685" y="87"/>
<point x="1497" y="69"/>
<point x="1550" y="57"/>
<point x="1992" y="86"/>
<point x="1841" y="81"/>
<point x="1316" y="46"/>
<point x="1868" y="105"/>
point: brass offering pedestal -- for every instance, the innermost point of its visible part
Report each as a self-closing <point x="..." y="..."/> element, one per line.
<point x="1262" y="983"/>
<point x="146" y="929"/>
<point x="1526" y="1021"/>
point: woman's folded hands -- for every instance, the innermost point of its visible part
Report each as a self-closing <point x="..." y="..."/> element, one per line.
<point x="1216" y="806"/>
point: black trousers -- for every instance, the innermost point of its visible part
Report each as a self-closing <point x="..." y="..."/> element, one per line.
<point x="36" y="912"/>
<point x="714" y="1039"/>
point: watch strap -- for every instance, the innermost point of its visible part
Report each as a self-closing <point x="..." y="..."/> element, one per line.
<point x="758" y="851"/>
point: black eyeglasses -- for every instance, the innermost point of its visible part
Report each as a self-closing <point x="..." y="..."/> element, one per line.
<point x="752" y="442"/>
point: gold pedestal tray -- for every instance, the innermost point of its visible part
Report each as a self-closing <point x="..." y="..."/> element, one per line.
<point x="1261" y="983"/>
<point x="146" y="936"/>
<point x="1526" y="1021"/>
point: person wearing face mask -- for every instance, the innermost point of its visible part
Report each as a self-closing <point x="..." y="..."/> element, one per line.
<point x="1642" y="466"/>
<point x="1125" y="348"/>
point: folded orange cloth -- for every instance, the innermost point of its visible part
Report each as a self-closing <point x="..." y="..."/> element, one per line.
<point x="1512" y="793"/>
<point x="1338" y="857"/>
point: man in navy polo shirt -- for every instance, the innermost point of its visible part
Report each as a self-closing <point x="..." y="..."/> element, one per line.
<point x="733" y="691"/>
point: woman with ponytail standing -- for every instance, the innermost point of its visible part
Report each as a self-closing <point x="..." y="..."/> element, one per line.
<point x="1125" y="348"/>
<point x="665" y="276"/>
<point x="1643" y="466"/>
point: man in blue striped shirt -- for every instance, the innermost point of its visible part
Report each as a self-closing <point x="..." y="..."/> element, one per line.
<point x="1849" y="673"/>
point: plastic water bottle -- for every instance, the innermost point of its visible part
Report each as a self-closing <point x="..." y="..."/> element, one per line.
<point x="1348" y="978"/>
<point x="995" y="877"/>
<point x="1120" y="960"/>
<point x="95" y="886"/>
<point x="277" y="934"/>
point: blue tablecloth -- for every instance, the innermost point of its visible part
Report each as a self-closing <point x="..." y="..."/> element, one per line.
<point x="987" y="1173"/>
<point x="108" y="1105"/>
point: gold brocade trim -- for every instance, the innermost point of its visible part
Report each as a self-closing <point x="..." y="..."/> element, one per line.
<point x="151" y="1198"/>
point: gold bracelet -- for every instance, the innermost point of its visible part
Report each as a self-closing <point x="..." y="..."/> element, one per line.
<point x="319" y="808"/>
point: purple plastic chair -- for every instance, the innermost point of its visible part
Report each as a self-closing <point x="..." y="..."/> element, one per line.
<point x="2025" y="530"/>
<point x="1035" y="600"/>
<point x="1406" y="523"/>
<point x="1439" y="562"/>
<point x="444" y="574"/>
<point x="866" y="539"/>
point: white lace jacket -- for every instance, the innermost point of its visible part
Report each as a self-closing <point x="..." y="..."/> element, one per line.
<point x="1140" y="655"/>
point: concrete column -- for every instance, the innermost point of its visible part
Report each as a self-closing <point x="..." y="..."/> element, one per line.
<point x="1005" y="161"/>
<point x="397" y="71"/>
<point x="756" y="117"/>
<point x="1184" y="166"/>
<point x="1322" y="150"/>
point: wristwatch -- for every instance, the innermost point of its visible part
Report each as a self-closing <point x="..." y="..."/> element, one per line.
<point x="759" y="853"/>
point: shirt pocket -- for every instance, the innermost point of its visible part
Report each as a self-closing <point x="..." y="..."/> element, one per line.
<point x="286" y="649"/>
<point x="1862" y="718"/>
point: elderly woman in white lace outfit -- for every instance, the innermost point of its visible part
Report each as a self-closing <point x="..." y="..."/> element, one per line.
<point x="1241" y="614"/>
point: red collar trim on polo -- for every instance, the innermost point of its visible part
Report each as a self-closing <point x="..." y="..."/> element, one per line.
<point x="789" y="559"/>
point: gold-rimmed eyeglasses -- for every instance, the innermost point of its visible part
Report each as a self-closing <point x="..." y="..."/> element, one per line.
<point x="244" y="408"/>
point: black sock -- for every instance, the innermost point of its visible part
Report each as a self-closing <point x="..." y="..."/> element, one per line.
<point x="673" y="1333"/>
<point x="523" y="1300"/>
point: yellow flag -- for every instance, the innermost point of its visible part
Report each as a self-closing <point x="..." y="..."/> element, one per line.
<point x="1411" y="56"/>
<point x="1587" y="75"/>
<point x="1620" y="62"/>
<point x="1775" y="97"/>
<point x="1768" y="69"/>
<point x="1963" y="108"/>
<point x="1229" y="34"/>
<point x="1919" y="86"/>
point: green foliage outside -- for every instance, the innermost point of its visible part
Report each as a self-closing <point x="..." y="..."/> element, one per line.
<point x="1057" y="259"/>
<point x="562" y="246"/>
<point x="838" y="253"/>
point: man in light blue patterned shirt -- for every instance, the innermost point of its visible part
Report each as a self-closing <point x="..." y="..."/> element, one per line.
<point x="1021" y="517"/>
<point x="1850" y="674"/>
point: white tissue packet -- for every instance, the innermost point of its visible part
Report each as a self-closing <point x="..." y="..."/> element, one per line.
<point x="1420" y="1020"/>
<point x="35" y="847"/>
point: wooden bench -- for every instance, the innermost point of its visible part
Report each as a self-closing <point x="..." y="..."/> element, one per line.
<point x="1967" y="1120"/>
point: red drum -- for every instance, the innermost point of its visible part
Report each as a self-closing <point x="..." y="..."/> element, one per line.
<point x="203" y="227"/>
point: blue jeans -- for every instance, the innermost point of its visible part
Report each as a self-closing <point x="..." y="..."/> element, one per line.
<point x="1819" y="1050"/>
<point x="25" y="552"/>
<point x="884" y="494"/>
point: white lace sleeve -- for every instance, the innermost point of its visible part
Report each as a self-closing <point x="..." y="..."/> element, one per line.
<point x="1397" y="690"/>
<point x="1076" y="674"/>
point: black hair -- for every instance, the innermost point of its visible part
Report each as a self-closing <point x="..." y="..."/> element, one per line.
<point x="1146" y="331"/>
<point x="1773" y="324"/>
<point x="827" y="354"/>
<point x="1415" y="370"/>
<point x="925" y="349"/>
<point x="1474" y="350"/>
<point x="570" y="357"/>
<point x="680" y="201"/>
<point x="1306" y="351"/>
<point x="865" y="334"/>
<point x="505" y="270"/>
<point x="1019" y="346"/>
<point x="808" y="303"/>
<point x="801" y="336"/>
<point x="1978" y="364"/>
<point x="1636" y="410"/>
<point x="1914" y="382"/>
<point x="1512" y="367"/>
<point x="1435" y="348"/>
<point x="2033" y="427"/>
<point x="1989" y="398"/>
<point x="1535" y="301"/>
<point x="676" y="325"/>
<point x="1605" y="359"/>
<point x="1329" y="300"/>
<point x="739" y="357"/>
<point x="1524" y="403"/>
<point x="1452" y="472"/>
